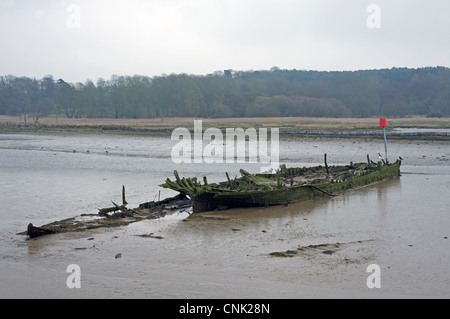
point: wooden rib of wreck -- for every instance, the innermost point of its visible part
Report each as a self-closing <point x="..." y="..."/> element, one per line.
<point x="287" y="185"/>
<point x="111" y="217"/>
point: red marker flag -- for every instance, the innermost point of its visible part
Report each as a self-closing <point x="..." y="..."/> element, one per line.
<point x="383" y="122"/>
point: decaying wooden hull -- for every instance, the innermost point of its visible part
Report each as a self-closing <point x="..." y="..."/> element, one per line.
<point x="288" y="185"/>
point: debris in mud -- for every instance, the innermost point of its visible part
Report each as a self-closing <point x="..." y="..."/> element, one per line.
<point x="150" y="236"/>
<point x="209" y="217"/>
<point x="327" y="249"/>
<point x="323" y="248"/>
<point x="111" y="217"/>
<point x="287" y="253"/>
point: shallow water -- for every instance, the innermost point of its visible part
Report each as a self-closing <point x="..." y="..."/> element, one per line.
<point x="402" y="225"/>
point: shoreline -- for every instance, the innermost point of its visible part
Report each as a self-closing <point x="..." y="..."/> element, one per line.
<point x="328" y="127"/>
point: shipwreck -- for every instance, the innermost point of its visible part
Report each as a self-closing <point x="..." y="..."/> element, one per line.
<point x="285" y="186"/>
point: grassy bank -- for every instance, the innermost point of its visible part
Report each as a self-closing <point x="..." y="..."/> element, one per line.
<point x="166" y="125"/>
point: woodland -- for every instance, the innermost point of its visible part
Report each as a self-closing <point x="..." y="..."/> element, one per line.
<point x="395" y="92"/>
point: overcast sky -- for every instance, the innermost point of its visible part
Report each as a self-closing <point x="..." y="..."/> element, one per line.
<point x="88" y="39"/>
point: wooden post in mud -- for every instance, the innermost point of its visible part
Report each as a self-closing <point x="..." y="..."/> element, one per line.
<point x="326" y="165"/>
<point x="229" y="180"/>
<point x="124" y="202"/>
<point x="105" y="211"/>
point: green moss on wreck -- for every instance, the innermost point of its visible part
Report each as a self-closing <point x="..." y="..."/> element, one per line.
<point x="286" y="186"/>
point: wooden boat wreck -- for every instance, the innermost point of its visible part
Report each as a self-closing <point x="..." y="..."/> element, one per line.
<point x="114" y="216"/>
<point x="287" y="185"/>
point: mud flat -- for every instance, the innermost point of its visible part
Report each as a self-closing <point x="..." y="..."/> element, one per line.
<point x="322" y="247"/>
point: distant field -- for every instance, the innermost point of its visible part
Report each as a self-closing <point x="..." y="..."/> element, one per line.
<point x="287" y="123"/>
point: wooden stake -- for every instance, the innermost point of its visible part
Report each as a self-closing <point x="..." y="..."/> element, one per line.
<point x="326" y="165"/>
<point x="229" y="181"/>
<point x="124" y="202"/>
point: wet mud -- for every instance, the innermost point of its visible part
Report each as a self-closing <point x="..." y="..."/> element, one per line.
<point x="315" y="249"/>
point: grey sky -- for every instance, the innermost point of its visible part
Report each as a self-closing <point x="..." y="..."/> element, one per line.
<point x="87" y="39"/>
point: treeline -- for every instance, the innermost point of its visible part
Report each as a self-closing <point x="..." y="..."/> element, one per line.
<point x="388" y="92"/>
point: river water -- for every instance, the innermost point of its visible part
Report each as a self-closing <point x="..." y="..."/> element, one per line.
<point x="400" y="225"/>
